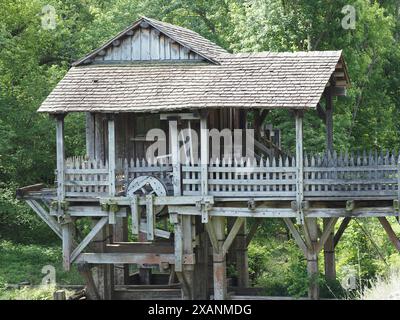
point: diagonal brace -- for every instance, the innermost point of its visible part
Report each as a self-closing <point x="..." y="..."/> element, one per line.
<point x="81" y="246"/>
<point x="296" y="235"/>
<point x="232" y="234"/>
<point x="325" y="234"/>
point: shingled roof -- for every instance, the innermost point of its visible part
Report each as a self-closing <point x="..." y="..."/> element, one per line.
<point x="257" y="80"/>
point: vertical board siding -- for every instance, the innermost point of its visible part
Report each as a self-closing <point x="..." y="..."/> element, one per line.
<point x="144" y="45"/>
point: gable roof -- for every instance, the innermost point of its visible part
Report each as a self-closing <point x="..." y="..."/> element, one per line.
<point x="251" y="80"/>
<point x="185" y="37"/>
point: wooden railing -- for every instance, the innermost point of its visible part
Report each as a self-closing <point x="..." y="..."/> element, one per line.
<point x="325" y="176"/>
<point x="84" y="177"/>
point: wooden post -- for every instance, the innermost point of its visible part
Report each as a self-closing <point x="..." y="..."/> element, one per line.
<point x="219" y="261"/>
<point x="311" y="228"/>
<point x="242" y="263"/>
<point x="188" y="268"/>
<point x="59" y="295"/>
<point x="329" y="255"/>
<point x="66" y="227"/>
<point x="329" y="119"/>
<point x="120" y="234"/>
<point x="391" y="234"/>
<point x="111" y="156"/>
<point x="204" y="155"/>
<point x="60" y="157"/>
<point x="200" y="284"/>
<point x="329" y="247"/>
<point x="90" y="135"/>
<point x="103" y="274"/>
<point x="175" y="158"/>
<point x="99" y="133"/>
<point x="299" y="166"/>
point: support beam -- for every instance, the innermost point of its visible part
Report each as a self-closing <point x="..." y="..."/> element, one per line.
<point x="175" y="156"/>
<point x="204" y="156"/>
<point x="111" y="156"/>
<point x="252" y="231"/>
<point x="299" y="166"/>
<point x="296" y="235"/>
<point x="242" y="261"/>
<point x="90" y="135"/>
<point x="329" y="225"/>
<point x="49" y="220"/>
<point x="329" y="247"/>
<point x="391" y="234"/>
<point x="91" y="290"/>
<point x="219" y="260"/>
<point x="340" y="231"/>
<point x="60" y="158"/>
<point x="329" y="250"/>
<point x="312" y="258"/>
<point x="103" y="275"/>
<point x="85" y="242"/>
<point x="329" y="119"/>
<point x="232" y="234"/>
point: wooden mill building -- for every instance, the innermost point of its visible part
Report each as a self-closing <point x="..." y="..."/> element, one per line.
<point x="165" y="227"/>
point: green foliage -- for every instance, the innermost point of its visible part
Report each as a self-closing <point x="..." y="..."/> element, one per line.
<point x="23" y="263"/>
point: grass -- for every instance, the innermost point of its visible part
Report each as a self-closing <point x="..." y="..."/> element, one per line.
<point x="383" y="288"/>
<point x="31" y="293"/>
<point x="23" y="263"/>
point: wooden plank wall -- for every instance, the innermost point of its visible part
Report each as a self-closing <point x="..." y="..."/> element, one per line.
<point x="144" y="45"/>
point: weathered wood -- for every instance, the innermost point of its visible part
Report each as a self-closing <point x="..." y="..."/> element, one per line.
<point x="340" y="231"/>
<point x="21" y="192"/>
<point x="204" y="156"/>
<point x="90" y="135"/>
<point x="389" y="231"/>
<point x="242" y="261"/>
<point x="60" y="158"/>
<point x="111" y="156"/>
<point x="312" y="258"/>
<point x="329" y="252"/>
<point x="296" y="235"/>
<point x="126" y="258"/>
<point x="232" y="234"/>
<point x="103" y="275"/>
<point x="59" y="295"/>
<point x="328" y="229"/>
<point x="50" y="221"/>
<point x="175" y="157"/>
<point x="219" y="260"/>
<point x="135" y="211"/>
<point x="299" y="166"/>
<point x="150" y="217"/>
<point x="140" y="247"/>
<point x="252" y="231"/>
<point x="85" y="242"/>
<point x="91" y="289"/>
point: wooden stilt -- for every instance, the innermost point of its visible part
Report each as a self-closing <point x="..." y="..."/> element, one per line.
<point x="391" y="234"/>
<point x="311" y="228"/>
<point x="242" y="263"/>
<point x="329" y="255"/>
<point x="219" y="261"/>
<point x="200" y="281"/>
<point x="120" y="234"/>
<point x="329" y="247"/>
<point x="103" y="274"/>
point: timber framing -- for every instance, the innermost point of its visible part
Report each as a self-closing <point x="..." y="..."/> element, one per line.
<point x="192" y="216"/>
